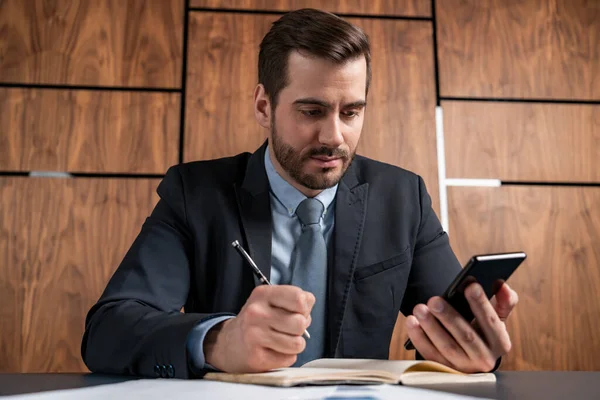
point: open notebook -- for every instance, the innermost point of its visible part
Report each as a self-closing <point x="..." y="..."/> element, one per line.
<point x="336" y="371"/>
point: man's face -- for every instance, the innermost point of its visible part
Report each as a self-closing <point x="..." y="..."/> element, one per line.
<point x="317" y="123"/>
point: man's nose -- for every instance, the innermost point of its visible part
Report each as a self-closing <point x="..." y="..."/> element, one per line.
<point x="331" y="133"/>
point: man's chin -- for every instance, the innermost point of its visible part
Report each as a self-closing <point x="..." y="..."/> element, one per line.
<point x="322" y="179"/>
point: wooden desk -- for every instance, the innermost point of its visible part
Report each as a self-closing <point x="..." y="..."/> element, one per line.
<point x="510" y="385"/>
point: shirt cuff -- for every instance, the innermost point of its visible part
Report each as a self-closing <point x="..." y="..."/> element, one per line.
<point x="195" y="342"/>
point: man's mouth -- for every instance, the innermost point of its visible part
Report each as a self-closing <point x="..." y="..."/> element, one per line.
<point x="326" y="161"/>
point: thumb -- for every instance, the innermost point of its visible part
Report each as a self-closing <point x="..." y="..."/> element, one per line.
<point x="504" y="301"/>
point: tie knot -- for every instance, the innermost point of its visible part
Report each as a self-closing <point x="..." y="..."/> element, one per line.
<point x="309" y="211"/>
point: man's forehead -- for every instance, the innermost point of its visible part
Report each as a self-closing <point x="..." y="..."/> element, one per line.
<point x="312" y="77"/>
<point x="308" y="63"/>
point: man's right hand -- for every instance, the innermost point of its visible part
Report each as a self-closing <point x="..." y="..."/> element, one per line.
<point x="266" y="334"/>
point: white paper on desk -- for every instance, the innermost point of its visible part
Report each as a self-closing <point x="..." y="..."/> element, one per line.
<point x="160" y="389"/>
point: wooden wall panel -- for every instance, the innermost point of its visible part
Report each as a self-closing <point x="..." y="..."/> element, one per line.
<point x="519" y="49"/>
<point x="62" y="238"/>
<point x="400" y="119"/>
<point x="556" y="324"/>
<point x="399" y="126"/>
<point x="101" y="42"/>
<point x="11" y="282"/>
<point x="522" y="141"/>
<point x="88" y="131"/>
<point x="420" y="8"/>
<point x="221" y="76"/>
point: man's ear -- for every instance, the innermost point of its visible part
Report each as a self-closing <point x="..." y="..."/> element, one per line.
<point x="262" y="107"/>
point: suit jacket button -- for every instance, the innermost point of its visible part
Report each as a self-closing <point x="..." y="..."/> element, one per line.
<point x="163" y="371"/>
<point x="157" y="370"/>
<point x="170" y="371"/>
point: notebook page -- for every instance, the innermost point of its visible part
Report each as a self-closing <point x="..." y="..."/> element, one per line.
<point x="395" y="367"/>
<point x="294" y="376"/>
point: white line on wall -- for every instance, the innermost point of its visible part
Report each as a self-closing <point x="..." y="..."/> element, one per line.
<point x="443" y="181"/>
<point x="474" y="182"/>
<point x="441" y="161"/>
<point x="49" y="174"/>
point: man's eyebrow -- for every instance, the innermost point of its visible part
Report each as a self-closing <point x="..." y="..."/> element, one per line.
<point x="317" y="102"/>
<point x="356" y="104"/>
<point x="313" y="101"/>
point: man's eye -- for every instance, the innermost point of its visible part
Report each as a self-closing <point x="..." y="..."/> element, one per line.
<point x="350" y="114"/>
<point x="311" y="113"/>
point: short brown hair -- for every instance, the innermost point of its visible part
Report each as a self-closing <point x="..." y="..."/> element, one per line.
<point x="319" y="33"/>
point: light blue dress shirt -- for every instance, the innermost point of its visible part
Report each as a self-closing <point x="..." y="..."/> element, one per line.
<point x="286" y="230"/>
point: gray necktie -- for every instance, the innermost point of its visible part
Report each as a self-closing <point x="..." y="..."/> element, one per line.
<point x="309" y="272"/>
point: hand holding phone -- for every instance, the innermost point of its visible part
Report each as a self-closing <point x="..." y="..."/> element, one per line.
<point x="490" y="270"/>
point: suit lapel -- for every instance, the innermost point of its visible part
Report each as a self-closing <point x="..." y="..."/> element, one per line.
<point x="255" y="210"/>
<point x="350" y="212"/>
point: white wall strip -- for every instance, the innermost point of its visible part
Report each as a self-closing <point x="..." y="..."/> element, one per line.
<point x="49" y="174"/>
<point x="474" y="182"/>
<point x="441" y="161"/>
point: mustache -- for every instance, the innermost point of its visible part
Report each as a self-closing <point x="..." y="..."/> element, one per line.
<point x="328" y="152"/>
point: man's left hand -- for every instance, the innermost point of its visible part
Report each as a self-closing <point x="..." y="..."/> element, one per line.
<point x="440" y="334"/>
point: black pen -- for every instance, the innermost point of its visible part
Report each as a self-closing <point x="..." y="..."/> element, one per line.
<point x="263" y="279"/>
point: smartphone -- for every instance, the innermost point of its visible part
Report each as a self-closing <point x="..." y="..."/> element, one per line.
<point x="490" y="270"/>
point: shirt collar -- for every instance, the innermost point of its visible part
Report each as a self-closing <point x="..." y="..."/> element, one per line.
<point x="289" y="196"/>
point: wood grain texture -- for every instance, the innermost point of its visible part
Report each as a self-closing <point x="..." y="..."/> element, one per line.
<point x="221" y="76"/>
<point x="400" y="122"/>
<point x="63" y="238"/>
<point x="420" y="8"/>
<point x="11" y="283"/>
<point x="546" y="49"/>
<point x="88" y="131"/>
<point x="555" y="325"/>
<point x="101" y="42"/>
<point x="522" y="141"/>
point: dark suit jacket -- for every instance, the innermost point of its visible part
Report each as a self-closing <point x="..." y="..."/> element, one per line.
<point x="389" y="253"/>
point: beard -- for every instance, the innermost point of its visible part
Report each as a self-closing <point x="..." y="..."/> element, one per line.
<point x="293" y="162"/>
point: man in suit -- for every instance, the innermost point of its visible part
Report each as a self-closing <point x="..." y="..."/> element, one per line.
<point x="347" y="241"/>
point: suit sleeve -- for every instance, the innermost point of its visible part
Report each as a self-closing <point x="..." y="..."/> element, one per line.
<point x="434" y="263"/>
<point x="136" y="326"/>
